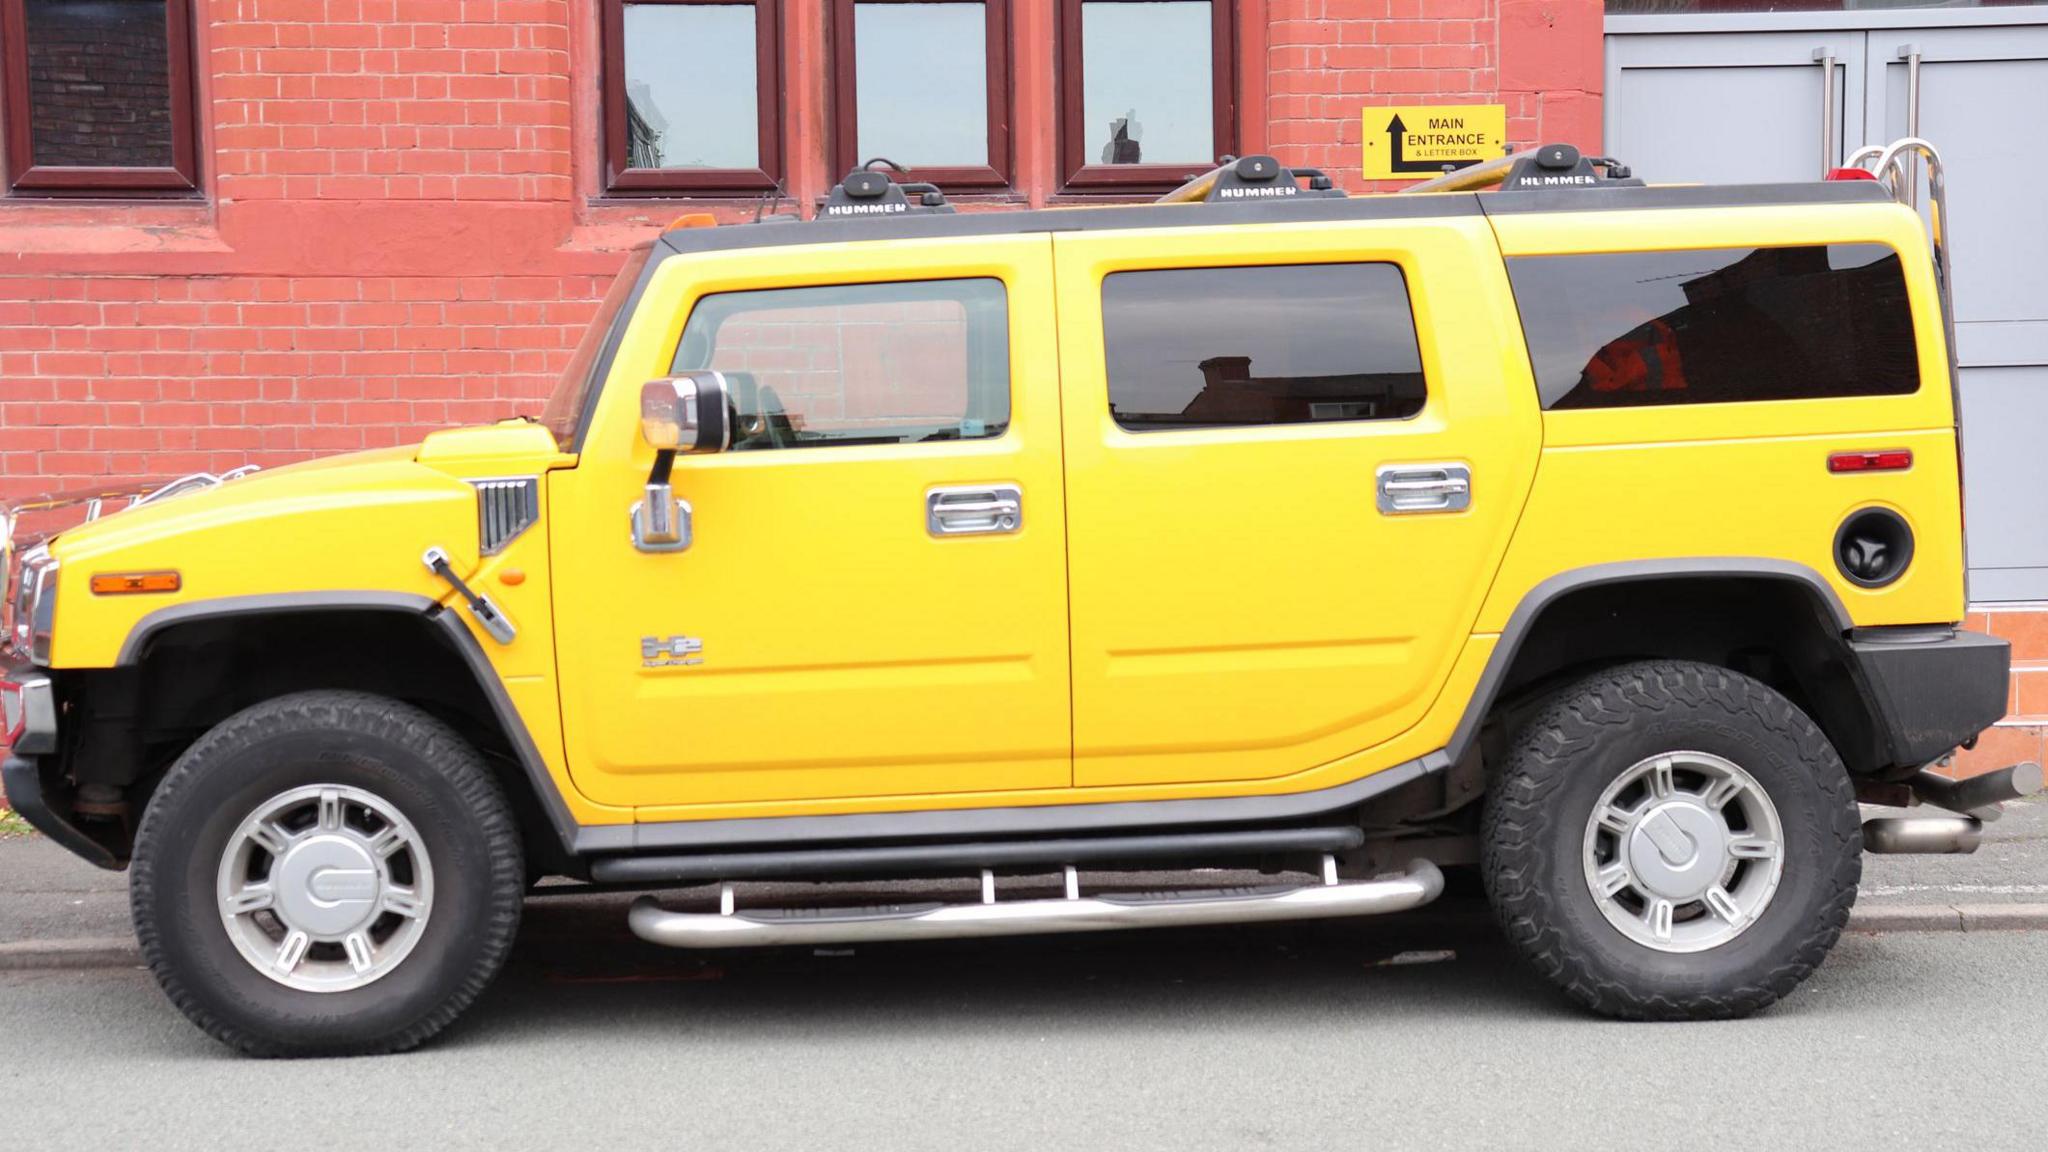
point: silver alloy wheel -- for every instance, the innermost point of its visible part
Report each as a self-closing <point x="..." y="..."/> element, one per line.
<point x="1683" y="851"/>
<point x="325" y="888"/>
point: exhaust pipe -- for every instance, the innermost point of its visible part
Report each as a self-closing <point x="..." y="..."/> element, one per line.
<point x="1978" y="795"/>
<point x="1922" y="835"/>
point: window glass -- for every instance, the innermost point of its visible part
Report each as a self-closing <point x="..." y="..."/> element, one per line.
<point x="858" y="363"/>
<point x="922" y="74"/>
<point x="1195" y="347"/>
<point x="1716" y="325"/>
<point x="99" y="83"/>
<point x="1148" y="82"/>
<point x="692" y="94"/>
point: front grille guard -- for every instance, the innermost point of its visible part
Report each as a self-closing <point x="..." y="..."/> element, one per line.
<point x="27" y="523"/>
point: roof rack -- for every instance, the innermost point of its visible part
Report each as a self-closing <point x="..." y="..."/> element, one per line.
<point x="1251" y="178"/>
<point x="868" y="192"/>
<point x="1551" y="166"/>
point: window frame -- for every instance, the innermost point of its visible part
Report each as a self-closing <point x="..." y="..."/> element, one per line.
<point x="25" y="176"/>
<point x="993" y="175"/>
<point x="1078" y="173"/>
<point x="621" y="180"/>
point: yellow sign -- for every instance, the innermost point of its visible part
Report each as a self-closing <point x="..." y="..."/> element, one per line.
<point x="1419" y="142"/>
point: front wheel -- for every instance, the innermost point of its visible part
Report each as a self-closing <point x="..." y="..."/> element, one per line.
<point x="326" y="873"/>
<point x="1671" y="840"/>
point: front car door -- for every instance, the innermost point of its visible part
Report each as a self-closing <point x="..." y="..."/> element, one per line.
<point x="826" y="636"/>
<point x="1295" y="454"/>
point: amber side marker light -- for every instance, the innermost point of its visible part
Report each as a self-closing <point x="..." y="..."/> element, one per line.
<point x="124" y="583"/>
<point x="1889" y="460"/>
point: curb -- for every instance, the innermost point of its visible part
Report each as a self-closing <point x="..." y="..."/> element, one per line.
<point x="1949" y="918"/>
<point x="122" y="952"/>
<point x="109" y="952"/>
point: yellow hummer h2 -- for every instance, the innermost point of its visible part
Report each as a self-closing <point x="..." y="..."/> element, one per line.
<point x="1605" y="538"/>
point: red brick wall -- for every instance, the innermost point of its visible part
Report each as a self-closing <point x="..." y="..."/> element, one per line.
<point x="401" y="228"/>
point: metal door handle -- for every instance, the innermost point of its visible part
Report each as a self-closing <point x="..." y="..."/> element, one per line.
<point x="1405" y="488"/>
<point x="974" y="511"/>
<point x="1910" y="53"/>
<point x="1825" y="57"/>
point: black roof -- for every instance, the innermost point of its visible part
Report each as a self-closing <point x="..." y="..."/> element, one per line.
<point x="904" y="226"/>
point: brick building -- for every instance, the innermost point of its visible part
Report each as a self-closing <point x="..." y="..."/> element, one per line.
<point x="256" y="230"/>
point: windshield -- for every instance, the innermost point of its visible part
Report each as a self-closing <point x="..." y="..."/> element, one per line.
<point x="564" y="414"/>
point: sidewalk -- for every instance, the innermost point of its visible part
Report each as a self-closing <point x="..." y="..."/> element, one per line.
<point x="57" y="911"/>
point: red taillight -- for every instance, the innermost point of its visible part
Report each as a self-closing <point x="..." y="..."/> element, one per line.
<point x="1850" y="174"/>
<point x="1889" y="460"/>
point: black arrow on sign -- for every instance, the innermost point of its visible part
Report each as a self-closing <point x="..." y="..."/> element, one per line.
<point x="1396" y="130"/>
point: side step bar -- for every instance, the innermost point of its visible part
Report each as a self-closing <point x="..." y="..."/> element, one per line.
<point x="1076" y="913"/>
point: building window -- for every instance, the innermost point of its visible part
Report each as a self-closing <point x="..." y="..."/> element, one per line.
<point x="904" y="363"/>
<point x="1281" y="344"/>
<point x="98" y="96"/>
<point x="924" y="83"/>
<point x="692" y="92"/>
<point x="1147" y="96"/>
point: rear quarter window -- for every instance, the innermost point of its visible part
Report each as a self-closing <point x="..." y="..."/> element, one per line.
<point x="1716" y="325"/>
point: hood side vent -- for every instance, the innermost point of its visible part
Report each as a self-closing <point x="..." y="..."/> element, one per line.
<point x="505" y="507"/>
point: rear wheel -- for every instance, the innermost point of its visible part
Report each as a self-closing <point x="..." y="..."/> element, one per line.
<point x="326" y="873"/>
<point x="1670" y="840"/>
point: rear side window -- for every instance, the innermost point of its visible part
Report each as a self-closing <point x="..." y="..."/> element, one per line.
<point x="1716" y="325"/>
<point x="1299" y="344"/>
<point x="896" y="363"/>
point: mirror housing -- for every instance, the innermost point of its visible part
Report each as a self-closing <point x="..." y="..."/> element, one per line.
<point x="686" y="413"/>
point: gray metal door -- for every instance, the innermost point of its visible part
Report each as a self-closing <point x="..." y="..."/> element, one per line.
<point x="1979" y="91"/>
<point x="1739" y="97"/>
<point x="1726" y="106"/>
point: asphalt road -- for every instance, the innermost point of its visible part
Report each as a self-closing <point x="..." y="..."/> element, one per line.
<point x="1296" y="1036"/>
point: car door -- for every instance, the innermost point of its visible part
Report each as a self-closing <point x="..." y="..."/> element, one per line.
<point x="828" y="634"/>
<point x="1294" y="457"/>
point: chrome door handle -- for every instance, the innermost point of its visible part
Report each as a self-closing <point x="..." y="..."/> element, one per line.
<point x="1405" y="488"/>
<point x="981" y="510"/>
<point x="1910" y="53"/>
<point x="1825" y="57"/>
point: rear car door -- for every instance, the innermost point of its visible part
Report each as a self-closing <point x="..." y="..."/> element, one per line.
<point x="1294" y="457"/>
<point x="827" y="635"/>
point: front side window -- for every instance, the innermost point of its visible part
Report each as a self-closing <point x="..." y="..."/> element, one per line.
<point x="1146" y="96"/>
<point x="1716" y="325"/>
<point x="691" y="96"/>
<point x="569" y="403"/>
<point x="98" y="96"/>
<point x="924" y="83"/>
<point x="1295" y="344"/>
<point x="901" y="363"/>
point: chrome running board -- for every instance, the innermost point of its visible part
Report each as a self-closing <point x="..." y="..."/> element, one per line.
<point x="730" y="928"/>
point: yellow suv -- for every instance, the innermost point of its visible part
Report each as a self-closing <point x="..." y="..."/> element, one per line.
<point x="1603" y="538"/>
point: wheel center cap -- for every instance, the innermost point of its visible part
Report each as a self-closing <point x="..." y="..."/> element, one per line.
<point x="1678" y="850"/>
<point x="326" y="886"/>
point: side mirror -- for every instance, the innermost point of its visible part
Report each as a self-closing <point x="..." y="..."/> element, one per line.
<point x="682" y="413"/>
<point x="686" y="413"/>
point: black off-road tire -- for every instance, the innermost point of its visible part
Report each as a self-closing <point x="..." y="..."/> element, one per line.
<point x="393" y="750"/>
<point x="1581" y="740"/>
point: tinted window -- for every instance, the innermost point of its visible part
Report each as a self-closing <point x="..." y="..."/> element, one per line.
<point x="1717" y="325"/>
<point x="1193" y="347"/>
<point x="858" y="363"/>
